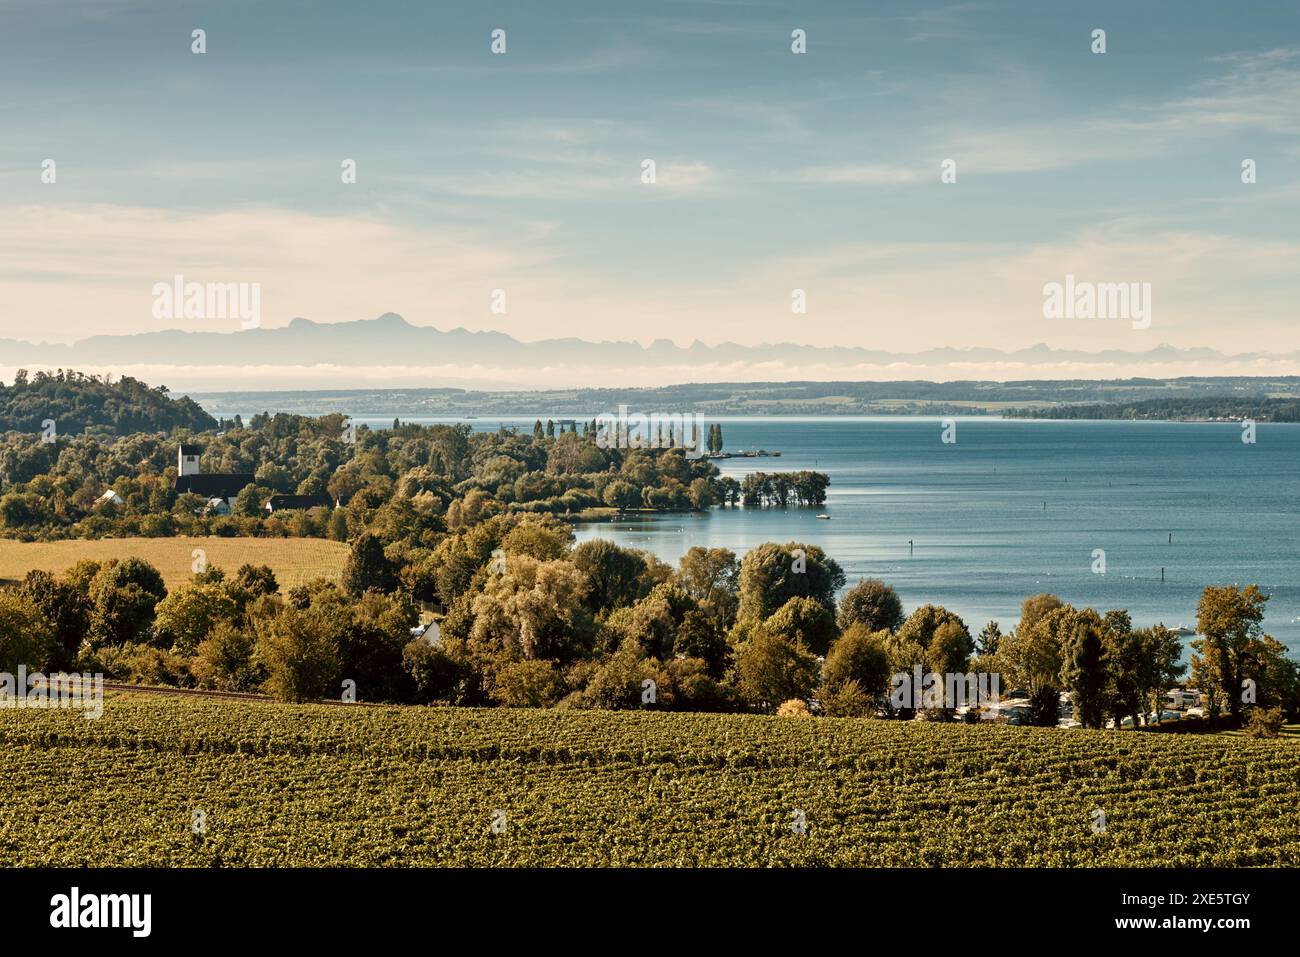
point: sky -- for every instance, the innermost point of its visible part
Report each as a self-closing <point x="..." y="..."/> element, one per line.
<point x="774" y="171"/>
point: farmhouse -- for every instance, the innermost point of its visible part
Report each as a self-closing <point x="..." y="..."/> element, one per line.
<point x="190" y="478"/>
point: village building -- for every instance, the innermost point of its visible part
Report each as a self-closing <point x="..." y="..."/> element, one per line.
<point x="221" y="487"/>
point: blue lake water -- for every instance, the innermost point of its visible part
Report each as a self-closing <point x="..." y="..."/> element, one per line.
<point x="1017" y="507"/>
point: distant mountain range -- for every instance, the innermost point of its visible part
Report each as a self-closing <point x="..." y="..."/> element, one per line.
<point x="390" y="351"/>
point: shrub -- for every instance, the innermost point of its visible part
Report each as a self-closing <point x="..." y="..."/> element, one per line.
<point x="224" y="660"/>
<point x="526" y="684"/>
<point x="845" y="699"/>
<point x="1264" y="723"/>
<point x="141" y="664"/>
<point x="794" y="708"/>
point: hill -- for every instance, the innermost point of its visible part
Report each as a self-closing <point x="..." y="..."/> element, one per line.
<point x="394" y="352"/>
<point x="76" y="402"/>
<point x="358" y="786"/>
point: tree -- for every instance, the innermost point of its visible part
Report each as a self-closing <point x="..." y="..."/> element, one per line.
<point x="446" y="671"/>
<point x="368" y="567"/>
<point x="257" y="579"/>
<point x="527" y="684"/>
<point x="223" y="660"/>
<point x="620" y="494"/>
<point x="124" y="595"/>
<point x="65" y="608"/>
<point x="711" y="576"/>
<point x="1031" y="655"/>
<point x="871" y="603"/>
<point x="772" y="574"/>
<point x="701" y="636"/>
<point x="772" y="669"/>
<point x="377" y="629"/>
<point x="613" y="573"/>
<point x="188" y="614"/>
<point x="700" y="493"/>
<point x="806" y="622"/>
<point x="1229" y="620"/>
<point x="924" y="624"/>
<point x="859" y="655"/>
<point x="544" y="538"/>
<point x="248" y="503"/>
<point x="1035" y="607"/>
<point x="1083" y="674"/>
<point x="300" y="652"/>
<point x="25" y="636"/>
<point x="534" y="610"/>
<point x="619" y="683"/>
<point x="989" y="637"/>
<point x="338" y="524"/>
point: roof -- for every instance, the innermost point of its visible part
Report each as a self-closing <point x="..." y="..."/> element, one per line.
<point x="276" y="502"/>
<point x="190" y="449"/>
<point x="225" y="486"/>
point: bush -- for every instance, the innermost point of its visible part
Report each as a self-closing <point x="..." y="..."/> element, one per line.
<point x="794" y="708"/>
<point x="141" y="664"/>
<point x="845" y="699"/>
<point x="224" y="660"/>
<point x="1264" y="723"/>
<point x="526" y="684"/>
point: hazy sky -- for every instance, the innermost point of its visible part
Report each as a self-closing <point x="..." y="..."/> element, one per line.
<point x="775" y="171"/>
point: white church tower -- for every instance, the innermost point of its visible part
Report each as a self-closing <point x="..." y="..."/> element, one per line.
<point x="187" y="462"/>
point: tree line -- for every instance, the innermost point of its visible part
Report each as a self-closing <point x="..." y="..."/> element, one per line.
<point x="526" y="618"/>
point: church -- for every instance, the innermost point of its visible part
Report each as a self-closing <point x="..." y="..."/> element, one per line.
<point x="220" y="490"/>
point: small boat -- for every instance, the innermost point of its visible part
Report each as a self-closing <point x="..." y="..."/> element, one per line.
<point x="826" y="517"/>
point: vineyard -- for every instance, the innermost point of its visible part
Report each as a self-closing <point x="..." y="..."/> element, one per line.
<point x="280" y="785"/>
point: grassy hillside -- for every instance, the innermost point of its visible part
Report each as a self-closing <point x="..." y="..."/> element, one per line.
<point x="294" y="560"/>
<point x="320" y="785"/>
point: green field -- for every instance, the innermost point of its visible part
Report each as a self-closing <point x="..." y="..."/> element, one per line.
<point x="295" y="561"/>
<point x="320" y="785"/>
